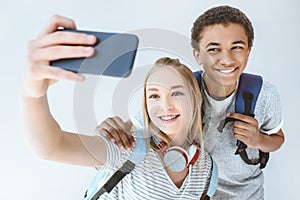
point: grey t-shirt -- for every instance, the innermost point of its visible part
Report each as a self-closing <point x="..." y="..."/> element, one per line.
<point x="238" y="180"/>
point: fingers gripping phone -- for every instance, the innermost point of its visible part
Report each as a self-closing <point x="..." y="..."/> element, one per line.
<point x="114" y="55"/>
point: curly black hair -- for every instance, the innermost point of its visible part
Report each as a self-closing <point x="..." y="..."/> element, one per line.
<point x="221" y="15"/>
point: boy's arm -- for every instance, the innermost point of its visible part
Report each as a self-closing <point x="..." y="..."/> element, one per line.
<point x="271" y="142"/>
<point x="246" y="130"/>
<point x="118" y="132"/>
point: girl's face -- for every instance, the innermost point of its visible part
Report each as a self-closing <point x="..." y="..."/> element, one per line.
<point x="169" y="103"/>
<point x="224" y="54"/>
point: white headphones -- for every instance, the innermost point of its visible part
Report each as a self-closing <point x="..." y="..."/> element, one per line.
<point x="175" y="157"/>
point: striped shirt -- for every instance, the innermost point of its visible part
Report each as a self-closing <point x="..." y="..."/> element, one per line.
<point x="149" y="180"/>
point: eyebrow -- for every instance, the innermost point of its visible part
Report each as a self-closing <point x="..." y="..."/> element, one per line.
<point x="176" y="87"/>
<point x="213" y="44"/>
<point x="152" y="89"/>
<point x="218" y="44"/>
<point x="239" y="42"/>
<point x="172" y="88"/>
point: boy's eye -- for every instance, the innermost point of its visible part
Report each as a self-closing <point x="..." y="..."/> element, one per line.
<point x="237" y="48"/>
<point x="177" y="93"/>
<point x="213" y="50"/>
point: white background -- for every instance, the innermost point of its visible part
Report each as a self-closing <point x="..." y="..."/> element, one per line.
<point x="275" y="55"/>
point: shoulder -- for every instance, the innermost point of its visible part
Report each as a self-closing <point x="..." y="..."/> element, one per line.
<point x="268" y="108"/>
<point x="208" y="159"/>
<point x="114" y="156"/>
<point x="202" y="171"/>
<point x="205" y="161"/>
<point x="268" y="87"/>
<point x="268" y="94"/>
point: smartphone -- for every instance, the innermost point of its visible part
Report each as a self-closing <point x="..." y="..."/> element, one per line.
<point x="114" y="55"/>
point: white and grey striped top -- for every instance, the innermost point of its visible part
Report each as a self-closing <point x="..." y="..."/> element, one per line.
<point x="149" y="180"/>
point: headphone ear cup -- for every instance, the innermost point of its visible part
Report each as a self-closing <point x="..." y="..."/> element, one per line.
<point x="176" y="159"/>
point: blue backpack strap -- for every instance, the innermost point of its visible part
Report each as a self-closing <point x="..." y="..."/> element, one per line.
<point x="247" y="95"/>
<point x="198" y="75"/>
<point x="248" y="90"/>
<point x="138" y="154"/>
<point x="213" y="183"/>
<point x="98" y="179"/>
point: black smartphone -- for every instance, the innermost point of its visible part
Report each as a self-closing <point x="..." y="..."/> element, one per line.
<point x="114" y="55"/>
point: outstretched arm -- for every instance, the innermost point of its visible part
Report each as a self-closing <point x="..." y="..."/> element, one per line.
<point x="41" y="130"/>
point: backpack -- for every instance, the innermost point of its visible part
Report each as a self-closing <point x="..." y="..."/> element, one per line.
<point x="105" y="182"/>
<point x="246" y="97"/>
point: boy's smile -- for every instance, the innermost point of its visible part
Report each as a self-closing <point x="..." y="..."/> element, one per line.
<point x="224" y="54"/>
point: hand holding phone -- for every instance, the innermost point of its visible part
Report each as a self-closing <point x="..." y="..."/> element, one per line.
<point x="114" y="55"/>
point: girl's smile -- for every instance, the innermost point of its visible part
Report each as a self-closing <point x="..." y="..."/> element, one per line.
<point x="169" y="103"/>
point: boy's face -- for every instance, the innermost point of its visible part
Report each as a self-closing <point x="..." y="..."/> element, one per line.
<point x="224" y="54"/>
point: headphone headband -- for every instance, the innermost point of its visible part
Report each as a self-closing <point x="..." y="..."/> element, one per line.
<point x="175" y="157"/>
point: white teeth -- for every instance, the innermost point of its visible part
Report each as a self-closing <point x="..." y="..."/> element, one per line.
<point x="226" y="71"/>
<point x="166" y="118"/>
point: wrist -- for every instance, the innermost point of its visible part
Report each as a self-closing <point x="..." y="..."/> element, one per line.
<point x="27" y="97"/>
<point x="27" y="91"/>
<point x="261" y="142"/>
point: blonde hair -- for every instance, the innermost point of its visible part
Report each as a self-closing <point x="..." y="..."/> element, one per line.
<point x="195" y="126"/>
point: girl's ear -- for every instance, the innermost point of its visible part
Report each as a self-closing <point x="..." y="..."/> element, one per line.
<point x="196" y="55"/>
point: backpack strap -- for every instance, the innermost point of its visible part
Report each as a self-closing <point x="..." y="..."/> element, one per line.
<point x="198" y="75"/>
<point x="138" y="154"/>
<point x="247" y="95"/>
<point x="213" y="182"/>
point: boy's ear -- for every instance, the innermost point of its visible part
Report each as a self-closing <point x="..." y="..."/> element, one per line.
<point x="249" y="51"/>
<point x="196" y="55"/>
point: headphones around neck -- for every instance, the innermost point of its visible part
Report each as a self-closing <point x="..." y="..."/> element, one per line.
<point x="176" y="158"/>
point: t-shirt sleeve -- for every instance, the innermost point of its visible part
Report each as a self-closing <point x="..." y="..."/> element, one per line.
<point x="114" y="156"/>
<point x="270" y="109"/>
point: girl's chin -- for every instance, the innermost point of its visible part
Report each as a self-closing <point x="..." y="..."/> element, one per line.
<point x="170" y="133"/>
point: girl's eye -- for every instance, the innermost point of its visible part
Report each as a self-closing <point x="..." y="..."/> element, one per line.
<point x="177" y="93"/>
<point x="153" y="96"/>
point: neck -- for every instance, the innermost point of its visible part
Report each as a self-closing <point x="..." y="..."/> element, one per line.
<point x="178" y="140"/>
<point x="216" y="91"/>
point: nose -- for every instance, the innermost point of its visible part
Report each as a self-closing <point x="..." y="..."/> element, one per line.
<point x="226" y="59"/>
<point x="167" y="103"/>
